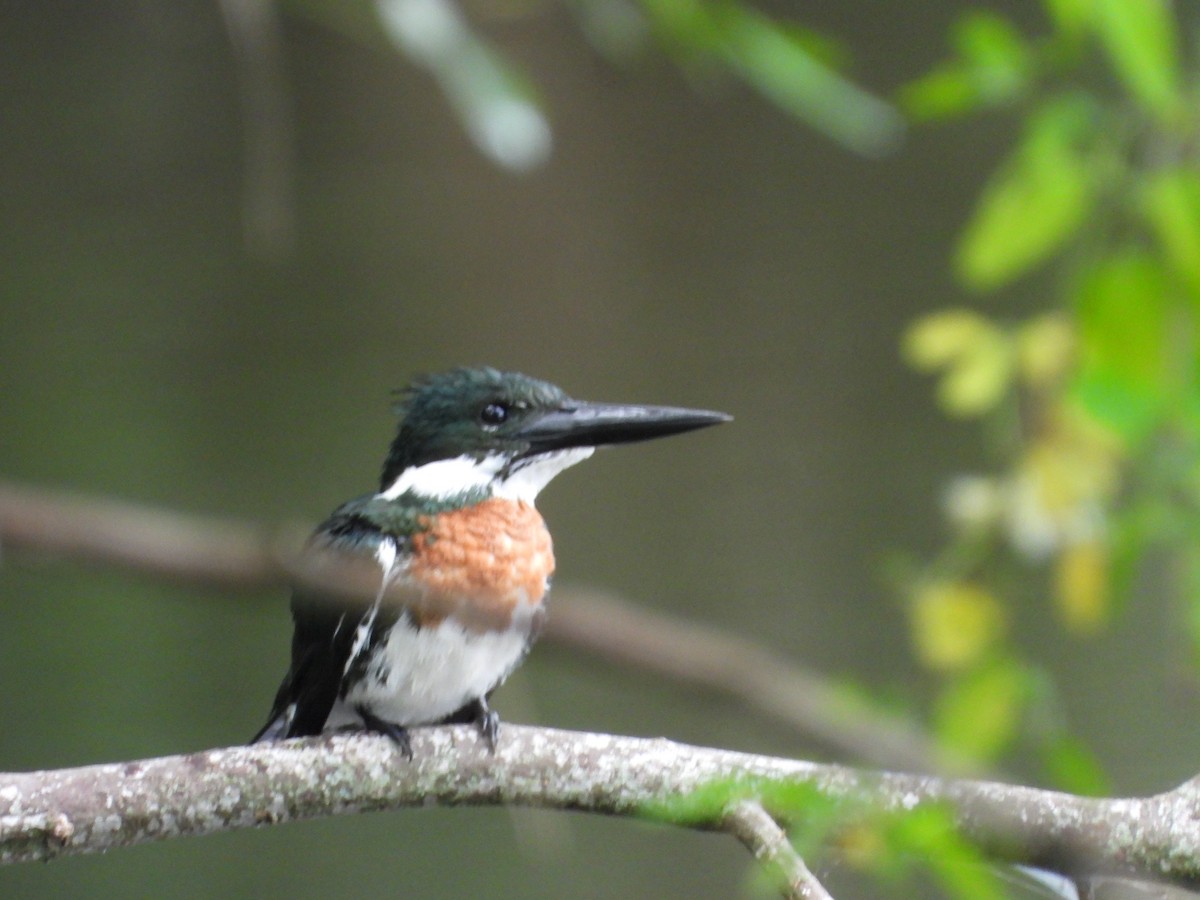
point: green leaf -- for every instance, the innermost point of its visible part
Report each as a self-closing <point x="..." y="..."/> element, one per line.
<point x="705" y="805"/>
<point x="708" y="803"/>
<point x="1070" y="16"/>
<point x="977" y="355"/>
<point x="993" y="65"/>
<point x="1123" y="337"/>
<point x="978" y="714"/>
<point x="1132" y="527"/>
<point x="942" y="93"/>
<point x="783" y="63"/>
<point x="987" y="38"/>
<point x="1141" y="39"/>
<point x="689" y="26"/>
<point x="1034" y="203"/>
<point x="1171" y="203"/>
<point x="812" y="814"/>
<point x="997" y="54"/>
<point x="1073" y="767"/>
<point x="928" y="833"/>
<point x="896" y="845"/>
<point x="954" y="623"/>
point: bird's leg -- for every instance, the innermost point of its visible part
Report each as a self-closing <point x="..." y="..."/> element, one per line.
<point x="397" y="733"/>
<point x="487" y="721"/>
<point x="477" y="712"/>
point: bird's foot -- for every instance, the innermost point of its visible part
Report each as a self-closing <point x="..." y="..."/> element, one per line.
<point x="484" y="718"/>
<point x="488" y="723"/>
<point x="478" y="713"/>
<point x="398" y="734"/>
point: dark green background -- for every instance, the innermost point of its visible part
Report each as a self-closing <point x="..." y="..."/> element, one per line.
<point x="687" y="244"/>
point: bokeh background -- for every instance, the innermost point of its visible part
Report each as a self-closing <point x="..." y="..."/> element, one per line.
<point x="686" y="243"/>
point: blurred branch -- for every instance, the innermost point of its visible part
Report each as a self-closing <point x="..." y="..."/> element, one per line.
<point x="751" y="824"/>
<point x="97" y="808"/>
<point x="494" y="102"/>
<point x="268" y="213"/>
<point x="231" y="555"/>
<point x="604" y="625"/>
<point x="220" y="553"/>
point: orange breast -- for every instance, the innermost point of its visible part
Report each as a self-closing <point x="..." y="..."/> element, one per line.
<point x="482" y="563"/>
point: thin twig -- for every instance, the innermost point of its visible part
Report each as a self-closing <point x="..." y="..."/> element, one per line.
<point x="233" y="555"/>
<point x="754" y="827"/>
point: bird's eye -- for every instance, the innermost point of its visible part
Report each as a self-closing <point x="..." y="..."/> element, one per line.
<point x="493" y="415"/>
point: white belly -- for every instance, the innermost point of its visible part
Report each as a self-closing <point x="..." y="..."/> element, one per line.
<point x="422" y="675"/>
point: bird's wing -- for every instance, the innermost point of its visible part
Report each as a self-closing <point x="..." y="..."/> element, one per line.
<point x="321" y="645"/>
<point x="330" y="637"/>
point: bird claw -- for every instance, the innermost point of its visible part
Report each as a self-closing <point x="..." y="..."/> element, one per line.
<point x="488" y="723"/>
<point x="398" y="734"/>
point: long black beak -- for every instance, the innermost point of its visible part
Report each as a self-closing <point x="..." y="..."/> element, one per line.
<point x="580" y="424"/>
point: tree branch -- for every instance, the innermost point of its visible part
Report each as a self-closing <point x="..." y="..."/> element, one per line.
<point x="96" y="808"/>
<point x="754" y="827"/>
<point x="102" y="807"/>
<point x="231" y="555"/>
<point x="606" y="626"/>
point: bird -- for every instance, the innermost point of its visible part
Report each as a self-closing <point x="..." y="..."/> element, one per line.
<point x="462" y="557"/>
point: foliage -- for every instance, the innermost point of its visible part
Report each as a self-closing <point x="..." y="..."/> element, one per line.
<point x="501" y="111"/>
<point x="788" y="65"/>
<point x="897" y="846"/>
<point x="1095" y="400"/>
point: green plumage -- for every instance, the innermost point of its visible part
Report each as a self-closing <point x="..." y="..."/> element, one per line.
<point x="440" y="416"/>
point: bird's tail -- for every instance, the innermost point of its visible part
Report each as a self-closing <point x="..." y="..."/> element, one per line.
<point x="276" y="728"/>
<point x="283" y="711"/>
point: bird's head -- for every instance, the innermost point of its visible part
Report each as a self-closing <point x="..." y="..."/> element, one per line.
<point x="504" y="433"/>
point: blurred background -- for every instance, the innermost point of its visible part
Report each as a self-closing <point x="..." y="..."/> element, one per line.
<point x="227" y="238"/>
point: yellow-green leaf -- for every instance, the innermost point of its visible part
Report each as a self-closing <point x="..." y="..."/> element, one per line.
<point x="996" y="52"/>
<point x="1035" y="202"/>
<point x="1171" y="202"/>
<point x="976" y="354"/>
<point x="1141" y="39"/>
<point x="941" y="93"/>
<point x="1124" y="336"/>
<point x="1045" y="349"/>
<point x="1070" y="15"/>
<point x="992" y="66"/>
<point x="1072" y="767"/>
<point x="937" y="339"/>
<point x="1081" y="585"/>
<point x="978" y="715"/>
<point x="977" y="382"/>
<point x="955" y="623"/>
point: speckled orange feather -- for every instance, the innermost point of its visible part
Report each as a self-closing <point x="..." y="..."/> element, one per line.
<point x="480" y="563"/>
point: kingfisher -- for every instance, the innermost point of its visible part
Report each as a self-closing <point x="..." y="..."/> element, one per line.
<point x="462" y="558"/>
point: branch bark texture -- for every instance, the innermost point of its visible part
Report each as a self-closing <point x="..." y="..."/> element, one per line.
<point x="102" y="807"/>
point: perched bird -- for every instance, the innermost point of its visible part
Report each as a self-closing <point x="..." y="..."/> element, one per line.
<point x="464" y="560"/>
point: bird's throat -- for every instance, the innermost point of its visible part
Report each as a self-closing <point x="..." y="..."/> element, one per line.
<point x="491" y="475"/>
